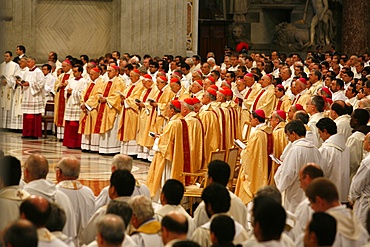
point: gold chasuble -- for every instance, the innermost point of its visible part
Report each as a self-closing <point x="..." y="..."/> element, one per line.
<point x="234" y="110"/>
<point x="170" y="147"/>
<point x="280" y="142"/>
<point x="128" y="122"/>
<point x="212" y="132"/>
<point x="265" y="100"/>
<point x="107" y="111"/>
<point x="158" y="121"/>
<point x="284" y="103"/>
<point x="225" y="125"/>
<point x="59" y="99"/>
<point x="196" y="145"/>
<point x="89" y="97"/>
<point x="145" y="115"/>
<point x="255" y="164"/>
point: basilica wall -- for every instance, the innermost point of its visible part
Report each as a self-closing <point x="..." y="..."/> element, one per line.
<point x="94" y="27"/>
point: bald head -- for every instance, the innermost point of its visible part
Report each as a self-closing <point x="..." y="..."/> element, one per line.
<point x="69" y="169"/>
<point x="35" y="209"/>
<point x="175" y="226"/>
<point x="36" y="167"/>
<point x="122" y="162"/>
<point x="177" y="216"/>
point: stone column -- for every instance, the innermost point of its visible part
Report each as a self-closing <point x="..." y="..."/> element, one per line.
<point x="356" y="26"/>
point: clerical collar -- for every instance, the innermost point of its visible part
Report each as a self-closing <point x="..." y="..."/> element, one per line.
<point x="260" y="125"/>
<point x="179" y="92"/>
<point x="244" y="90"/>
<point x="33" y="69"/>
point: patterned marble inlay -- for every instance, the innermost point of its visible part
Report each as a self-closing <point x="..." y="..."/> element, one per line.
<point x="95" y="168"/>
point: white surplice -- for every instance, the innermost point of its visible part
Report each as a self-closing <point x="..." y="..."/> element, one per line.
<point x="359" y="192"/>
<point x="237" y="210"/>
<point x="48" y="189"/>
<point x="82" y="199"/>
<point x="343" y="126"/>
<point x="355" y="143"/>
<point x="312" y="125"/>
<point x="349" y="230"/>
<point x="103" y="198"/>
<point x="335" y="157"/>
<point x="11" y="198"/>
<point x="301" y="152"/>
<point x="165" y="209"/>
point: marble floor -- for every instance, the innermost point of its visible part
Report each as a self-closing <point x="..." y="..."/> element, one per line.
<point x="95" y="168"/>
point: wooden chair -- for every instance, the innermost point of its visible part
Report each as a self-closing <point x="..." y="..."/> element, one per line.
<point x="232" y="161"/>
<point x="200" y="179"/>
<point x="218" y="155"/>
<point x="49" y="107"/>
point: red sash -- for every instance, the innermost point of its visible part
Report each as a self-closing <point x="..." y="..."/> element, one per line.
<point x="130" y="91"/>
<point x="88" y="92"/>
<point x="296" y="99"/>
<point x="153" y="108"/>
<point x="270" y="147"/>
<point x="201" y="124"/>
<point x="124" y="110"/>
<point x="248" y="93"/>
<point x="232" y="121"/>
<point x="257" y="99"/>
<point x="280" y="102"/>
<point x="61" y="103"/>
<point x="215" y="113"/>
<point x="186" y="149"/>
<point x="87" y="95"/>
<point x="223" y="120"/>
<point x="101" y="108"/>
<point x="146" y="94"/>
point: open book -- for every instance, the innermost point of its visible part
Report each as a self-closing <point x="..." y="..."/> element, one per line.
<point x="275" y="159"/>
<point x="239" y="143"/>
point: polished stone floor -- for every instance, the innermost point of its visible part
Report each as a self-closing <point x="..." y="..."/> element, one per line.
<point x="95" y="168"/>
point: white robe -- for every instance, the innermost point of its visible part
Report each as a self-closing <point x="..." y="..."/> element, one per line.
<point x="303" y="213"/>
<point x="47" y="189"/>
<point x="202" y="234"/>
<point x="89" y="232"/>
<point x="312" y="125"/>
<point x="339" y="95"/>
<point x="359" y="192"/>
<point x="49" y="86"/>
<point x="127" y="242"/>
<point x="165" y="209"/>
<point x="16" y="112"/>
<point x="33" y="101"/>
<point x="343" y="126"/>
<point x="145" y="240"/>
<point x="8" y="70"/>
<point x="103" y="198"/>
<point x="286" y="177"/>
<point x="47" y="239"/>
<point x="285" y="241"/>
<point x="335" y="157"/>
<point x="67" y="240"/>
<point x="11" y="198"/>
<point x="356" y="150"/>
<point x="237" y="210"/>
<point x="349" y="231"/>
<point x="82" y="199"/>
